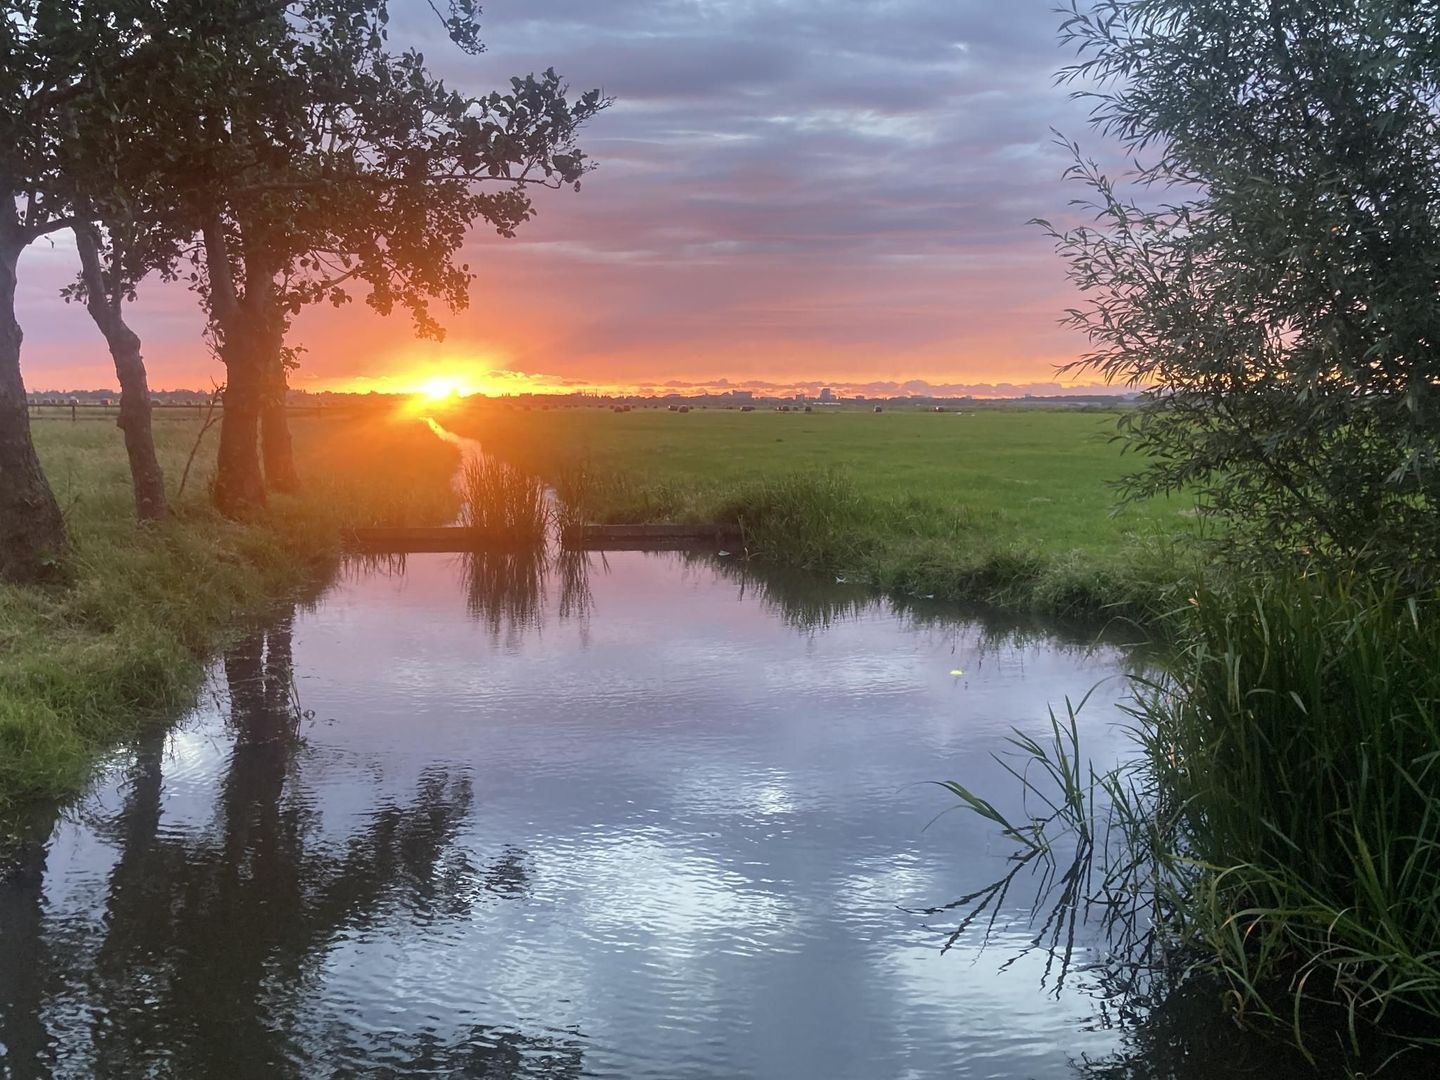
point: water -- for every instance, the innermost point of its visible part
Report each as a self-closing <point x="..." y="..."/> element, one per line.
<point x="642" y="816"/>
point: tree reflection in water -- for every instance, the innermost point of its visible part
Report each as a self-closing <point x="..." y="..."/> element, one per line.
<point x="208" y="946"/>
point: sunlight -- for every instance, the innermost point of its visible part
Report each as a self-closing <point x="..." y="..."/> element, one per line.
<point x="441" y="387"/>
<point x="442" y="381"/>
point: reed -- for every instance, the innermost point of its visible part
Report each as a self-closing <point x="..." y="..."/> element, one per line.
<point x="506" y="506"/>
<point x="1280" y="823"/>
<point x="1296" y="749"/>
<point x="574" y="484"/>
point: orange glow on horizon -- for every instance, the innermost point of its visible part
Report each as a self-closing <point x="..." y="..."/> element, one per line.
<point x="433" y="381"/>
<point x="445" y="380"/>
<point x="441" y="387"/>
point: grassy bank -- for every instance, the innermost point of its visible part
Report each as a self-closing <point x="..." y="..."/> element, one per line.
<point x="86" y="664"/>
<point x="1011" y="507"/>
<point x="1296" y="751"/>
<point x="1277" y="831"/>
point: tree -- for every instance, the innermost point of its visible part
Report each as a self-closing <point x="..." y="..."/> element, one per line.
<point x="41" y="47"/>
<point x="331" y="164"/>
<point x="1272" y="283"/>
<point x="109" y="273"/>
<point x="73" y="84"/>
<point x="32" y="533"/>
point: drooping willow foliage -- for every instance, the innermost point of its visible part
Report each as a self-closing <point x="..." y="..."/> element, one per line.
<point x="1269" y="275"/>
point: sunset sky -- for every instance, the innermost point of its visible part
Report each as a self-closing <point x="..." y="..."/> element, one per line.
<point x="791" y="193"/>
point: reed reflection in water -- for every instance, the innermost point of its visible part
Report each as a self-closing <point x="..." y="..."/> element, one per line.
<point x="506" y="591"/>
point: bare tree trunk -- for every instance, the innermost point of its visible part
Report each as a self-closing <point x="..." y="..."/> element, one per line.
<point x="239" y="485"/>
<point x="278" y="452"/>
<point x="32" y="532"/>
<point x="145" y="475"/>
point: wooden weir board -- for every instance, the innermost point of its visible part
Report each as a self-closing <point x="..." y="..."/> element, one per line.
<point x="659" y="536"/>
<point x="713" y="532"/>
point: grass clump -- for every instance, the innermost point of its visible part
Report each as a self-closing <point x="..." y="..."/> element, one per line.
<point x="505" y="506"/>
<point x="1295" y="752"/>
<point x="123" y="641"/>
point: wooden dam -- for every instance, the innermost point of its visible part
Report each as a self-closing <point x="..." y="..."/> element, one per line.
<point x="461" y="538"/>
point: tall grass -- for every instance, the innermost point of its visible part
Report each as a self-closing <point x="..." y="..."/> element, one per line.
<point x="1296" y="749"/>
<point x="506" y="506"/>
<point x="1280" y="823"/>
<point x="574" y="484"/>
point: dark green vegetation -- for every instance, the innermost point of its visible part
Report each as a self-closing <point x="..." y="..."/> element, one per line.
<point x="1274" y="281"/>
<point x="1271" y="269"/>
<point x="123" y="641"/>
<point x="1294" y="754"/>
<point x="1013" y="507"/>
<point x="1276" y="836"/>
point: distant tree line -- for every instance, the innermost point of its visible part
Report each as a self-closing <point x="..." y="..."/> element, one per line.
<point x="272" y="154"/>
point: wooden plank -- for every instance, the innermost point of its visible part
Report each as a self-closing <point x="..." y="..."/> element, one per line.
<point x="662" y="531"/>
<point x="653" y="536"/>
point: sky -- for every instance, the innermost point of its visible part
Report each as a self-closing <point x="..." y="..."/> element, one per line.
<point x="790" y="194"/>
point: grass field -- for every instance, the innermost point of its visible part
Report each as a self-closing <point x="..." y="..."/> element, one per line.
<point x="1009" y="506"/>
<point x="86" y="663"/>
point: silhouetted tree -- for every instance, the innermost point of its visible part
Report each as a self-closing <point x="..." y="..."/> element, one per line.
<point x="108" y="276"/>
<point x="44" y="48"/>
<point x="1280" y="309"/>
<point x="318" y="162"/>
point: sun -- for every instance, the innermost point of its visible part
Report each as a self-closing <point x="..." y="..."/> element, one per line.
<point x="440" y="387"/>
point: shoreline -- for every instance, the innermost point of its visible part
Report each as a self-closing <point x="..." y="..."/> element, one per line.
<point x="89" y="663"/>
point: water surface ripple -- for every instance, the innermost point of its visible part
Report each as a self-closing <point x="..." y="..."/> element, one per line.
<point x="654" y="816"/>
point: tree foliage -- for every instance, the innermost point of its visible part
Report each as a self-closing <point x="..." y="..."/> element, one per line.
<point x="1271" y="280"/>
<point x="48" y="48"/>
<point x="316" y="162"/>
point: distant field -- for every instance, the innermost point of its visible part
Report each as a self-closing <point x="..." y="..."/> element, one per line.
<point x="1011" y="505"/>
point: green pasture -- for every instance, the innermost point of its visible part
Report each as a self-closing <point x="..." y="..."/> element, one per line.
<point x="1012" y="506"/>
